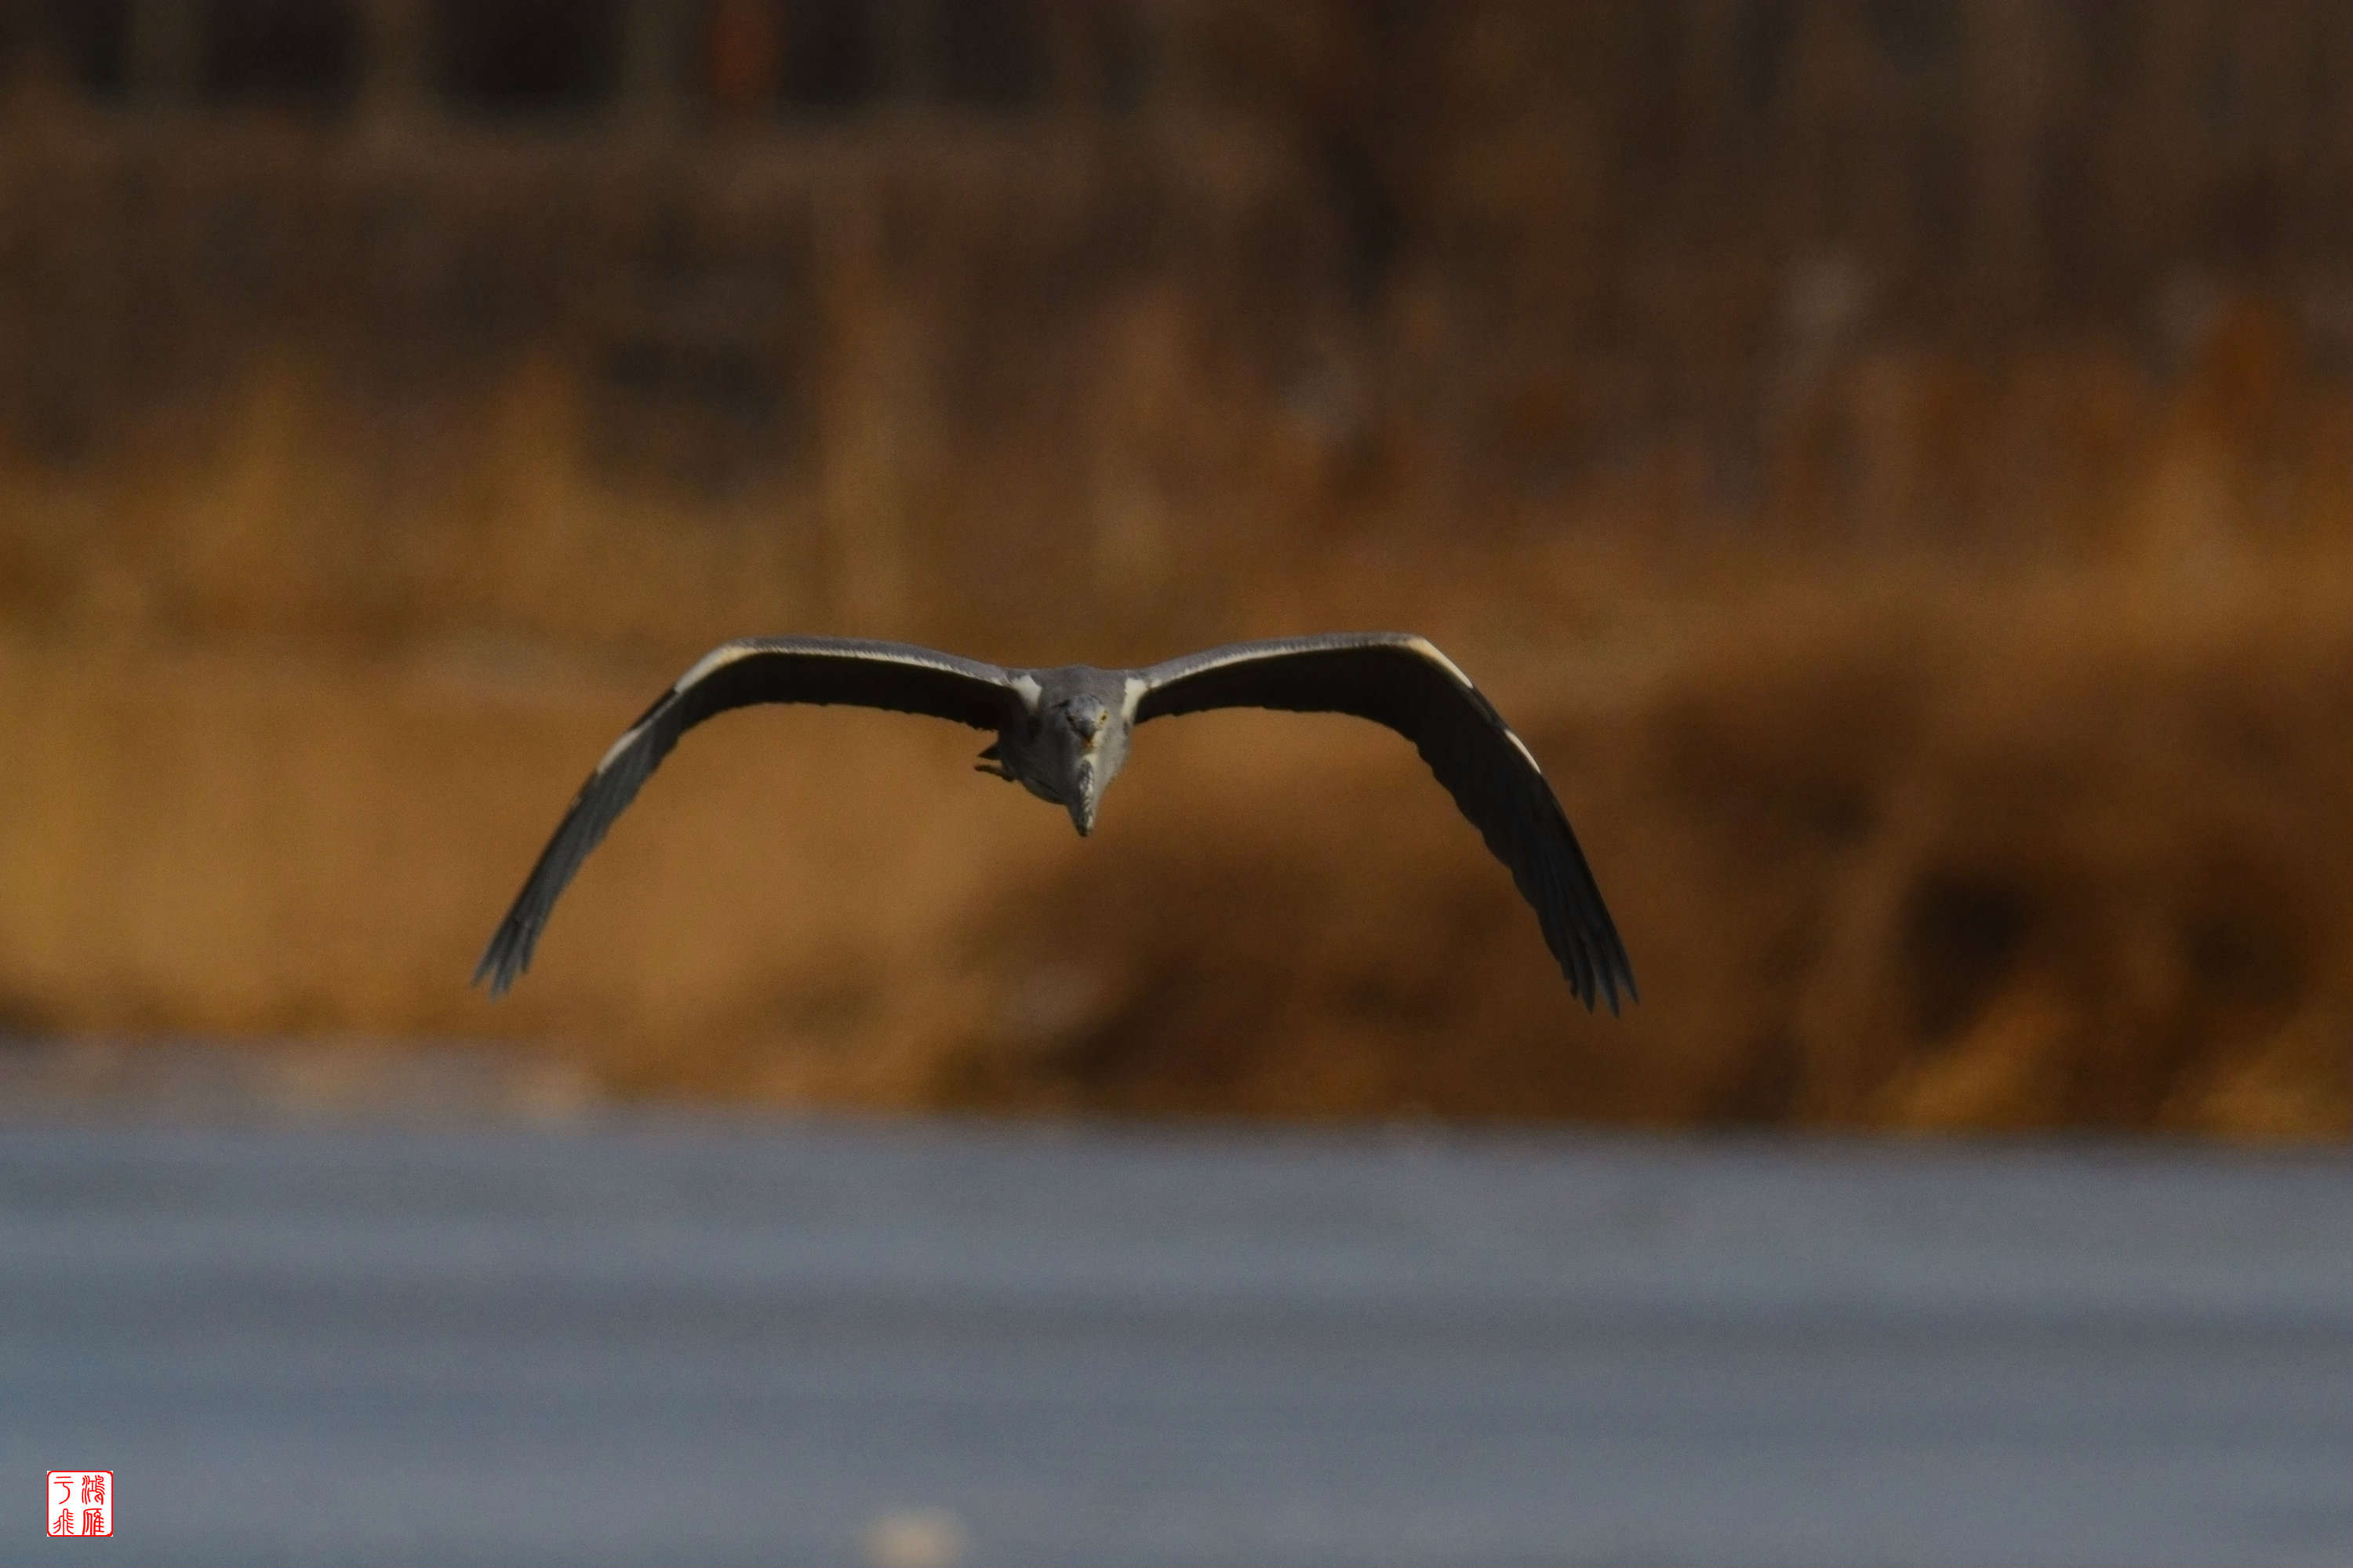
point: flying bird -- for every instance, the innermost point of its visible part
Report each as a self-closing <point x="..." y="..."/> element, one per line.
<point x="1062" y="734"/>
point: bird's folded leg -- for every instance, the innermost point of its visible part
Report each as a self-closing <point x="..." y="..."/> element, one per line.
<point x="988" y="763"/>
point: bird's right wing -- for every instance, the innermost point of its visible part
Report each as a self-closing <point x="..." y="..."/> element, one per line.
<point x="892" y="675"/>
<point x="1401" y="681"/>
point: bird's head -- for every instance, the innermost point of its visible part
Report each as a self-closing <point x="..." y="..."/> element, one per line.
<point x="1091" y="745"/>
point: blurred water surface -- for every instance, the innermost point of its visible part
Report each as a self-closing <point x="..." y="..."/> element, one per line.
<point x="655" y="1339"/>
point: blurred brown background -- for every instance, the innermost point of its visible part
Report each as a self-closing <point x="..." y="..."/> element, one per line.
<point x="1894" y="459"/>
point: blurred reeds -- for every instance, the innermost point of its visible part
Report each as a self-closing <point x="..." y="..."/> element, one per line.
<point x="1929" y="582"/>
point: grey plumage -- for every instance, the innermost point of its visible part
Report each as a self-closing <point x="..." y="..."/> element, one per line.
<point x="1063" y="734"/>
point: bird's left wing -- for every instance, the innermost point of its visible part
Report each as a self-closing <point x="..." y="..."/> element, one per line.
<point x="1401" y="681"/>
<point x="892" y="675"/>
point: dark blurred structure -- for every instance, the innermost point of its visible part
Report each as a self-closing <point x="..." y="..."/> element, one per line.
<point x="1513" y="244"/>
<point x="1685" y="360"/>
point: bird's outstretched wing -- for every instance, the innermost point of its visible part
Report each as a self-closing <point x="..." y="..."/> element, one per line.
<point x="732" y="675"/>
<point x="1401" y="681"/>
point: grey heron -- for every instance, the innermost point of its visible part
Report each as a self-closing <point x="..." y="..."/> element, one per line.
<point x="1062" y="734"/>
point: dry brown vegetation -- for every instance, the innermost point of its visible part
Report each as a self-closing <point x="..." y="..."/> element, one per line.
<point x="1897" y="837"/>
<point x="1932" y="596"/>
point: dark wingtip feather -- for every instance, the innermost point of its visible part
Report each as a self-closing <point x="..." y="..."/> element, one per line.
<point x="507" y="956"/>
<point x="603" y="797"/>
<point x="1617" y="971"/>
<point x="504" y="961"/>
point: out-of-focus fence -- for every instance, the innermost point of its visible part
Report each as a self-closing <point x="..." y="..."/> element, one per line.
<point x="1877" y="267"/>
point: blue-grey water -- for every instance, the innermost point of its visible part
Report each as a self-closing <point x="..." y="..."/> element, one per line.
<point x="672" y="1340"/>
